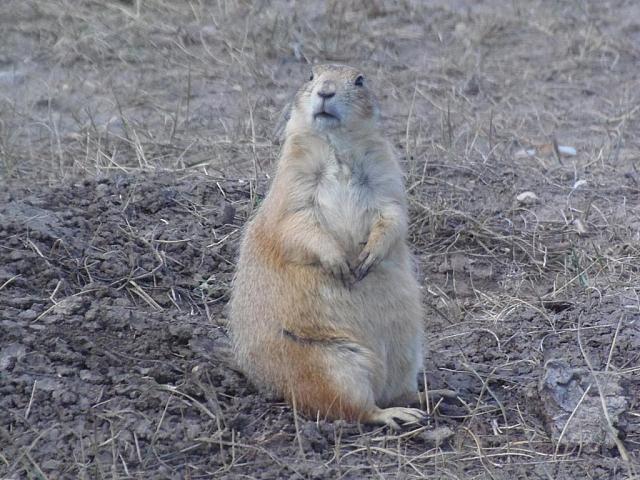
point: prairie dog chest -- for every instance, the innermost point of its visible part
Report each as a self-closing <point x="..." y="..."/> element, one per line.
<point x="346" y="199"/>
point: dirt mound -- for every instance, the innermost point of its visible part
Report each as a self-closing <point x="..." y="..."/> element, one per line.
<point x="107" y="301"/>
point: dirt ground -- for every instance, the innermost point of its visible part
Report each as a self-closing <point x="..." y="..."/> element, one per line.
<point x="135" y="140"/>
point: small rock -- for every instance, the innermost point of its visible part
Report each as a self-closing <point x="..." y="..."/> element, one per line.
<point x="90" y="376"/>
<point x="527" y="198"/>
<point x="68" y="305"/>
<point x="567" y="150"/>
<point x="571" y="404"/>
<point x="10" y="354"/>
<point x="65" y="397"/>
<point x="437" y="435"/>
<point x="28" y="315"/>
<point x="578" y="184"/>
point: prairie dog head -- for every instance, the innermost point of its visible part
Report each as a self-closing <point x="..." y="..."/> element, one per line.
<point x="336" y="99"/>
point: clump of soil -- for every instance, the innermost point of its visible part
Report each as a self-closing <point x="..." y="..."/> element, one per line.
<point x="574" y="400"/>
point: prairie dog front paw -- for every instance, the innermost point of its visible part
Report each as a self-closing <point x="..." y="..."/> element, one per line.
<point x="337" y="266"/>
<point x="367" y="259"/>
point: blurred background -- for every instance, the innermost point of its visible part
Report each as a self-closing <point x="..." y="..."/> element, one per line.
<point x="90" y="87"/>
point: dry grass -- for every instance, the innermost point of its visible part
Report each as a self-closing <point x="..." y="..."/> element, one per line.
<point x="90" y="89"/>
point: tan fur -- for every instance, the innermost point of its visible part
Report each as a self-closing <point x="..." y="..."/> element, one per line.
<point x="325" y="309"/>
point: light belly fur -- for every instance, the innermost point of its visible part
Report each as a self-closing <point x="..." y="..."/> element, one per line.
<point x="347" y="213"/>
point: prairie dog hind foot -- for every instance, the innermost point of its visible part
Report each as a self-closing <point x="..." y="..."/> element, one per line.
<point x="388" y="416"/>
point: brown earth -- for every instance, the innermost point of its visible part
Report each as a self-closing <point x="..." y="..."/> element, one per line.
<point x="135" y="139"/>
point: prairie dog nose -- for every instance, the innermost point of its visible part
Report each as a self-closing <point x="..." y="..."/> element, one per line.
<point x="327" y="89"/>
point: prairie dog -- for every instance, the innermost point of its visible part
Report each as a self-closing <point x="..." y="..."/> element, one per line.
<point x="325" y="309"/>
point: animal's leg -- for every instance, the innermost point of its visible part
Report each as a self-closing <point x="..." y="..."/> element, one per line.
<point x="338" y="381"/>
<point x="386" y="230"/>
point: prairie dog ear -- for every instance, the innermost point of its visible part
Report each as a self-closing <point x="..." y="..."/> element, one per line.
<point x="281" y="123"/>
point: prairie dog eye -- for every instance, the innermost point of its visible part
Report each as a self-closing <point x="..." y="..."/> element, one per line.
<point x="311" y="76"/>
<point x="359" y="81"/>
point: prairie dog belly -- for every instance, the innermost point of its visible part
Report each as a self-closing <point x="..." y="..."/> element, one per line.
<point x="346" y="208"/>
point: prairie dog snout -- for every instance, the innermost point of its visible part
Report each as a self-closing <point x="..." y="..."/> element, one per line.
<point x="335" y="96"/>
